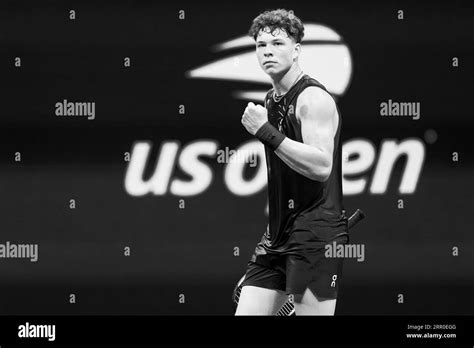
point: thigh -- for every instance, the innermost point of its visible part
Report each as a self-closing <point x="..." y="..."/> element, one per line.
<point x="314" y="277"/>
<point x="310" y="304"/>
<point x="255" y="300"/>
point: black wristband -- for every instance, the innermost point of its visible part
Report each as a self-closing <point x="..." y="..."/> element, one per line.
<point x="270" y="136"/>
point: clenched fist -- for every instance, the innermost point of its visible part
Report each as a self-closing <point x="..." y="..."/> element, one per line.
<point x="254" y="117"/>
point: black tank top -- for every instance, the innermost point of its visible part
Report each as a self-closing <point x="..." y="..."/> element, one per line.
<point x="295" y="201"/>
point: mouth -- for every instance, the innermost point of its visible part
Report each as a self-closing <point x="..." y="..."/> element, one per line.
<point x="269" y="62"/>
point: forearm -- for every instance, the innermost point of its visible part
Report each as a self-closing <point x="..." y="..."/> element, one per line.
<point x="307" y="160"/>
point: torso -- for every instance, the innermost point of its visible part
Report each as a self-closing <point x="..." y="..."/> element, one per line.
<point x="295" y="201"/>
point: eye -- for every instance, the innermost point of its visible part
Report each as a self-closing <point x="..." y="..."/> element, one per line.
<point x="278" y="43"/>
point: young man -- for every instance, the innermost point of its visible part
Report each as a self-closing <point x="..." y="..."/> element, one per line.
<point x="300" y="128"/>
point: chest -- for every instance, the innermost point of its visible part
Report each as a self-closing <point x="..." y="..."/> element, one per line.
<point x="283" y="116"/>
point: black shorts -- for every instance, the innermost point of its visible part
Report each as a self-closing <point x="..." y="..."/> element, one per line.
<point x="302" y="265"/>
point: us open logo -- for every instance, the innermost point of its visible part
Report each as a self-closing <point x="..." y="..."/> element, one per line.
<point x="325" y="56"/>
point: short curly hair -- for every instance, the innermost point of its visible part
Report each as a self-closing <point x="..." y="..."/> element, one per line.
<point x="278" y="19"/>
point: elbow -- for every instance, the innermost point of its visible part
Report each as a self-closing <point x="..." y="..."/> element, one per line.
<point x="320" y="174"/>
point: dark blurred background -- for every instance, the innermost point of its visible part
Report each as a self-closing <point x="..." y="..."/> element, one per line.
<point x="190" y="251"/>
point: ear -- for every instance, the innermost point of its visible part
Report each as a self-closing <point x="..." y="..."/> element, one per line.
<point x="296" y="51"/>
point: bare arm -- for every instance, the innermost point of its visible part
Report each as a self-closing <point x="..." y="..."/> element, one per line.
<point x="317" y="113"/>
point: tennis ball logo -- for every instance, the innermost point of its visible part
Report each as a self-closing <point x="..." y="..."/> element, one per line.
<point x="325" y="56"/>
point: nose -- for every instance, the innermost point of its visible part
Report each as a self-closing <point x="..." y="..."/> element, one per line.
<point x="267" y="52"/>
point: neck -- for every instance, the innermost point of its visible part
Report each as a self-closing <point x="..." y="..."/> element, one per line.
<point x="282" y="84"/>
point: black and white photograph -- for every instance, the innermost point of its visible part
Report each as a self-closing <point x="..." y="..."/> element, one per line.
<point x="188" y="172"/>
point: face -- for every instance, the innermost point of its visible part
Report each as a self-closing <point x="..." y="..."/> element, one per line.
<point x="276" y="52"/>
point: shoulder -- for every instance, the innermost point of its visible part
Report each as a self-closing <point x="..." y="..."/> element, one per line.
<point x="314" y="101"/>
